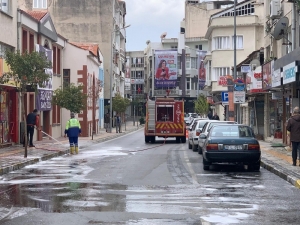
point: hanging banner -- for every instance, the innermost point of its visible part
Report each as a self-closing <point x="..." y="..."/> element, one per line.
<point x="201" y="69"/>
<point x="166" y="69"/>
<point x="127" y="74"/>
<point x="44" y="96"/>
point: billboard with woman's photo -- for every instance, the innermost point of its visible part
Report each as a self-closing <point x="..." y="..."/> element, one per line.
<point x="201" y="69"/>
<point x="165" y="68"/>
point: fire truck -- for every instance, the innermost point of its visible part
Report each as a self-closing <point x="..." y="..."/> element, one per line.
<point x="165" y="118"/>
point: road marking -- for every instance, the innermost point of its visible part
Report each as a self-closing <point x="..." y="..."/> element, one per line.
<point x="186" y="158"/>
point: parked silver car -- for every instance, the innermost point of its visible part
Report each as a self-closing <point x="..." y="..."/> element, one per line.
<point x="194" y="133"/>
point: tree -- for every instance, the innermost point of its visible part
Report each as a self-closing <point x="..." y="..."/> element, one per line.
<point x="120" y="104"/>
<point x="93" y="96"/>
<point x="25" y="70"/>
<point x="201" y="105"/>
<point x="70" y="97"/>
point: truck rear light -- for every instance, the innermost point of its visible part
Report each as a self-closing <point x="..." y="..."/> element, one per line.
<point x="212" y="147"/>
<point x="253" y="147"/>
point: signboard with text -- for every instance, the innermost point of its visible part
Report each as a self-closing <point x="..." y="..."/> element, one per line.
<point x="239" y="96"/>
<point x="165" y="68"/>
<point x="289" y="72"/>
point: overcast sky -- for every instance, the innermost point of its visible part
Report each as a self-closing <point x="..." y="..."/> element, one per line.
<point x="148" y="19"/>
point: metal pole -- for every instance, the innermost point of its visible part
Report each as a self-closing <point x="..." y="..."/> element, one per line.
<point x="134" y="98"/>
<point x="234" y="48"/>
<point x="110" y="86"/>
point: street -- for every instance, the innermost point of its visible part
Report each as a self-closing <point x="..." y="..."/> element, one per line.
<point x="125" y="181"/>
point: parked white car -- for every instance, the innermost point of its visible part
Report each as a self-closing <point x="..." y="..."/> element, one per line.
<point x="194" y="133"/>
<point x="206" y="129"/>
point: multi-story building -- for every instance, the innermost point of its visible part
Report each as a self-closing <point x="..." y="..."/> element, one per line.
<point x="135" y="82"/>
<point x="220" y="58"/>
<point x="9" y="110"/>
<point x="82" y="67"/>
<point x="95" y="21"/>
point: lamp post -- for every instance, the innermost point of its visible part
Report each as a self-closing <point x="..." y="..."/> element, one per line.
<point x="111" y="77"/>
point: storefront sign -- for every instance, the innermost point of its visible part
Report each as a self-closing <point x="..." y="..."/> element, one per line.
<point x="239" y="96"/>
<point x="289" y="73"/>
<point x="222" y="81"/>
<point x="276" y="78"/>
<point x="276" y="95"/>
<point x="256" y="81"/>
<point x="137" y="81"/>
<point x="245" y="68"/>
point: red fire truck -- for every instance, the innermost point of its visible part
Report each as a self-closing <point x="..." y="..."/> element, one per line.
<point x="165" y="118"/>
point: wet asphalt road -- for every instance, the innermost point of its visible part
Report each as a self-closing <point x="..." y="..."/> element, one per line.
<point x="125" y="181"/>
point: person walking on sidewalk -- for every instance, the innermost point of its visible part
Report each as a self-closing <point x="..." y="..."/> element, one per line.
<point x="106" y="121"/>
<point x="73" y="130"/>
<point x="31" y="120"/>
<point x="293" y="126"/>
<point x="118" y="123"/>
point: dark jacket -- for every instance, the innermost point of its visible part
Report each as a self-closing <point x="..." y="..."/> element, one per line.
<point x="293" y="126"/>
<point x="31" y="119"/>
<point x="216" y="117"/>
<point x="106" y="119"/>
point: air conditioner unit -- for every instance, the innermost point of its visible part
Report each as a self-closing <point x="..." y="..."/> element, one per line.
<point x="208" y="83"/>
<point x="275" y="9"/>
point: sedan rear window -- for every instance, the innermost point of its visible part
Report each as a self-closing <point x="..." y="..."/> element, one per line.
<point x="231" y="131"/>
<point x="216" y="123"/>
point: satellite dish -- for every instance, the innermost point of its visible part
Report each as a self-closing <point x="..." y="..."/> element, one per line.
<point x="254" y="64"/>
<point x="163" y="35"/>
<point x="280" y="28"/>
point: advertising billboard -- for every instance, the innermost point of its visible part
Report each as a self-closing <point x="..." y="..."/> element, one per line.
<point x="165" y="68"/>
<point x="44" y="96"/>
<point x="201" y="69"/>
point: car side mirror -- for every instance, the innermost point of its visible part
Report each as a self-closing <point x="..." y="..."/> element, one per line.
<point x="202" y="136"/>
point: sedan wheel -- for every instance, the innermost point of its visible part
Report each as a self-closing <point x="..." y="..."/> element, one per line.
<point x="195" y="147"/>
<point x="205" y="164"/>
<point x="199" y="150"/>
<point x="190" y="146"/>
<point x="254" y="167"/>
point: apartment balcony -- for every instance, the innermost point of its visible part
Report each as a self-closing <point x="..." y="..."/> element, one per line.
<point x="225" y="22"/>
<point x="116" y="69"/>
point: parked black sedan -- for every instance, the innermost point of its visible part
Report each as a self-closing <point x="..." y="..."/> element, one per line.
<point x="231" y="144"/>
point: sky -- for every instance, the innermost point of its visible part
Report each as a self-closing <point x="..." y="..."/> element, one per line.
<point x="148" y="19"/>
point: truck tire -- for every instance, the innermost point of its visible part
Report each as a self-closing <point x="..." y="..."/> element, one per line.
<point x="153" y="139"/>
<point x="183" y="139"/>
<point x="177" y="139"/>
<point x="147" y="139"/>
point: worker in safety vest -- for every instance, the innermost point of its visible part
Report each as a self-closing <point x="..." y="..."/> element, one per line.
<point x="73" y="130"/>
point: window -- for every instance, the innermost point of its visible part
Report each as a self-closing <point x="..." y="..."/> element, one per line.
<point x="55" y="114"/>
<point x="239" y="42"/>
<point x="188" y="62"/>
<point x="5" y="5"/>
<point x="173" y="47"/>
<point x="40" y="4"/>
<point x="198" y="47"/>
<point x="221" y="71"/>
<point x="56" y="60"/>
<point x="188" y="84"/>
<point x="66" y="77"/>
<point x="220" y="43"/>
<point x="194" y="63"/>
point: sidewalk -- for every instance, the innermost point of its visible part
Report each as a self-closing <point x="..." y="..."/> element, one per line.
<point x="12" y="158"/>
<point x="275" y="157"/>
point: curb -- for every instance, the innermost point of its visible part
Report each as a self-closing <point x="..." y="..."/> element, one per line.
<point x="17" y="166"/>
<point x="281" y="172"/>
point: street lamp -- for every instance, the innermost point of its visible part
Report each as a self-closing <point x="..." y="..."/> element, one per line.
<point x="111" y="77"/>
